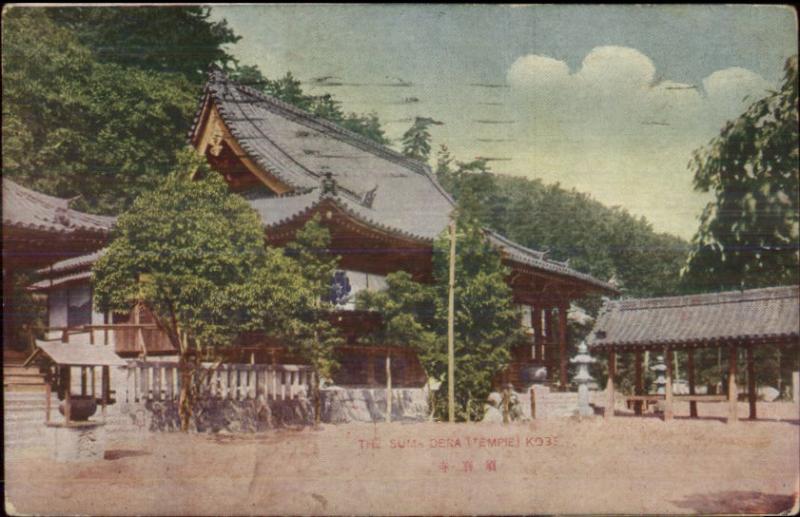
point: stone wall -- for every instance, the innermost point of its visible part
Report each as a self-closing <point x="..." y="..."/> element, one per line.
<point x="339" y="405"/>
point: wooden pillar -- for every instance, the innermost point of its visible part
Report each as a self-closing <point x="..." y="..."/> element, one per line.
<point x="751" y="382"/>
<point x="562" y="346"/>
<point x="91" y="369"/>
<point x="548" y="340"/>
<point x="639" y="381"/>
<point x="68" y="395"/>
<point x="732" y="391"/>
<point x="690" y="373"/>
<point x="388" y="386"/>
<point x="105" y="388"/>
<point x="48" y="392"/>
<point x="83" y="381"/>
<point x="370" y="368"/>
<point x="668" y="388"/>
<point x="538" y="337"/>
<point x="612" y="370"/>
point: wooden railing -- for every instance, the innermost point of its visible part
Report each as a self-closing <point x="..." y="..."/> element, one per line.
<point x="127" y="338"/>
<point x="160" y="380"/>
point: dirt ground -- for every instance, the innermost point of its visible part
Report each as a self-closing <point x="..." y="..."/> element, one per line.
<point x="625" y="465"/>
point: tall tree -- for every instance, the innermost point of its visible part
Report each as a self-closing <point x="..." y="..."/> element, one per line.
<point x="173" y="39"/>
<point x="749" y="236"/>
<point x="417" y="139"/>
<point x="194" y="255"/>
<point x="74" y="126"/>
<point x="311" y="334"/>
<point x="486" y="322"/>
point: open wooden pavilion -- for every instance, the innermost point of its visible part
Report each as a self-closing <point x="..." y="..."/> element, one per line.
<point x="727" y="320"/>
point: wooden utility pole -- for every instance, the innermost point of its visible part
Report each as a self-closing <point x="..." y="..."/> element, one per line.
<point x="451" y="388"/>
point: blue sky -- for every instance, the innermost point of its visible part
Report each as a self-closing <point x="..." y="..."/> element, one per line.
<point x="610" y="100"/>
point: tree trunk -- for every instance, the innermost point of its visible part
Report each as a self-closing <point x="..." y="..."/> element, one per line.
<point x="315" y="395"/>
<point x="388" y="386"/>
<point x="185" y="402"/>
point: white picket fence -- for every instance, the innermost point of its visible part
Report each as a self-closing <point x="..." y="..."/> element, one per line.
<point x="160" y="380"/>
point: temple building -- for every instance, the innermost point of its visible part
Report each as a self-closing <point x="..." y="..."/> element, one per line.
<point x="384" y="212"/>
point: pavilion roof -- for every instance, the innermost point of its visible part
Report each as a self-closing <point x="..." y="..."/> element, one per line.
<point x="768" y="315"/>
<point x="27" y="209"/>
<point x="79" y="354"/>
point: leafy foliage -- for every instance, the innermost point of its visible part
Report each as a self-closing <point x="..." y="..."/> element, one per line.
<point x="311" y="334"/>
<point x="417" y="140"/>
<point x="174" y="39"/>
<point x="194" y="255"/>
<point x="749" y="236"/>
<point x="74" y="126"/>
<point x="289" y="89"/>
<point x="485" y="319"/>
<point x="604" y="242"/>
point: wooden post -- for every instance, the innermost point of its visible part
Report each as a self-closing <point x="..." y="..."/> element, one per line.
<point x="83" y="381"/>
<point x="370" y="368"/>
<point x="105" y="388"/>
<point x="93" y="381"/>
<point x="668" y="388"/>
<point x="538" y="338"/>
<point x="639" y="382"/>
<point x="388" y="386"/>
<point x="48" y="392"/>
<point x="562" y="346"/>
<point x="612" y="370"/>
<point x="733" y="395"/>
<point x="451" y="387"/>
<point x="68" y="395"/>
<point x="548" y="340"/>
<point x="690" y="373"/>
<point x="751" y="382"/>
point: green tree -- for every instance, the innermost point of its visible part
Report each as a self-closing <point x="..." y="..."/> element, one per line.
<point x="172" y="39"/>
<point x="486" y="323"/>
<point x="407" y="309"/>
<point x="749" y="236"/>
<point x="417" y="140"/>
<point x="311" y="334"/>
<point x="194" y="255"/>
<point x="73" y="126"/>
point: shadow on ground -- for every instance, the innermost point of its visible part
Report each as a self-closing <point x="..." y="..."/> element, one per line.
<point x="738" y="502"/>
<point x="116" y="454"/>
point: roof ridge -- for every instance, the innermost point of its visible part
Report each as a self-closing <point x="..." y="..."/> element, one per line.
<point x="731" y="296"/>
<point x="219" y="76"/>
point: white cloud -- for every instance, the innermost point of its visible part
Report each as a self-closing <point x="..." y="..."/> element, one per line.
<point x="611" y="128"/>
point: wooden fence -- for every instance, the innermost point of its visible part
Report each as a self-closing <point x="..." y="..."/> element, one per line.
<point x="160" y="380"/>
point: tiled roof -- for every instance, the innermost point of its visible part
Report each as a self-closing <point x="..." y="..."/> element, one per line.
<point x="538" y="260"/>
<point x="756" y="315"/>
<point x="28" y="209"/>
<point x="75" y="263"/>
<point x="299" y="148"/>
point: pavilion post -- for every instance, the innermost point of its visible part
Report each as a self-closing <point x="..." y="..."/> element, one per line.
<point x="68" y="394"/>
<point x="751" y="382"/>
<point x="639" y="384"/>
<point x="690" y="373"/>
<point x="612" y="370"/>
<point x="548" y="339"/>
<point x="48" y="392"/>
<point x="105" y="387"/>
<point x="538" y="339"/>
<point x="562" y="345"/>
<point x="83" y="381"/>
<point x="668" y="388"/>
<point x="732" y="390"/>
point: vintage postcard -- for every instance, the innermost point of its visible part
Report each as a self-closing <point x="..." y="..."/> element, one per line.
<point x="400" y="259"/>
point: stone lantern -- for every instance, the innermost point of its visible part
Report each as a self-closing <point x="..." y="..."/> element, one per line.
<point x="582" y="378"/>
<point x="661" y="382"/>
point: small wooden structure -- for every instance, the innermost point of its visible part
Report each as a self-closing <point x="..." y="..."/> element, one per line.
<point x="85" y="357"/>
<point x="728" y="320"/>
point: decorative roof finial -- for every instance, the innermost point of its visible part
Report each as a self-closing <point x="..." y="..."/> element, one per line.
<point x="328" y="183"/>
